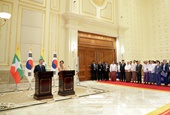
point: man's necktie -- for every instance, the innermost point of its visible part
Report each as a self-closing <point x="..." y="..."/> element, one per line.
<point x="41" y="67"/>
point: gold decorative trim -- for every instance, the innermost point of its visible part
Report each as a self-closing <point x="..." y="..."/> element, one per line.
<point x="8" y="30"/>
<point x="84" y="12"/>
<point x="33" y="2"/>
<point x="99" y="2"/>
<point x="106" y="18"/>
<point x="52" y="6"/>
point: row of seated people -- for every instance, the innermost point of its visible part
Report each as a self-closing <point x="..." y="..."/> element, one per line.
<point x="152" y="71"/>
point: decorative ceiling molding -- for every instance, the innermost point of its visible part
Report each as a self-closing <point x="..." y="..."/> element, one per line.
<point x="99" y="2"/>
<point x="78" y="21"/>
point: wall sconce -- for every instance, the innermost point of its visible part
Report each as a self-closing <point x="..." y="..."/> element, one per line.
<point x="74" y="48"/>
<point x="5" y="16"/>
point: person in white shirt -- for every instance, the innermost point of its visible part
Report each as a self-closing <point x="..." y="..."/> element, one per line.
<point x="113" y="70"/>
<point x="151" y="69"/>
<point x="128" y="72"/>
<point x="134" y="75"/>
<point x="146" y="73"/>
<point x="128" y="67"/>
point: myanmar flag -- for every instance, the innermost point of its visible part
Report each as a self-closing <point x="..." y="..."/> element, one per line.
<point x="16" y="68"/>
<point x="42" y="56"/>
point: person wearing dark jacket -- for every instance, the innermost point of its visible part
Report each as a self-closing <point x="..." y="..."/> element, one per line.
<point x="165" y="70"/>
<point x="100" y="69"/>
<point x="122" y="70"/>
<point x="138" y="71"/>
<point x="40" y="67"/>
<point x="93" y="71"/>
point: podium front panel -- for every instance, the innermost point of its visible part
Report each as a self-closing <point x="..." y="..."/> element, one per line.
<point x="66" y="82"/>
<point x="43" y="85"/>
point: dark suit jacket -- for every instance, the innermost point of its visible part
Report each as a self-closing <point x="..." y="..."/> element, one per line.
<point x="100" y="67"/>
<point x="139" y="68"/>
<point x="157" y="69"/>
<point x="166" y="68"/>
<point x="38" y="69"/>
<point x="93" y="67"/>
<point x="122" y="67"/>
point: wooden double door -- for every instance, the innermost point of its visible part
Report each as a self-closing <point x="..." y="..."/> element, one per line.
<point x="90" y="48"/>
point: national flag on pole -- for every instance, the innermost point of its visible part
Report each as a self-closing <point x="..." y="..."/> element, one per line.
<point x="29" y="67"/>
<point x="54" y="64"/>
<point x="42" y="56"/>
<point x="16" y="68"/>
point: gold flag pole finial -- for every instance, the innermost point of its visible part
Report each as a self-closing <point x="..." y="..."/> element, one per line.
<point x="30" y="47"/>
<point x="18" y="46"/>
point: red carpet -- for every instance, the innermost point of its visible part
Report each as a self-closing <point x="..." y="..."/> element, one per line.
<point x="146" y="86"/>
<point x="167" y="112"/>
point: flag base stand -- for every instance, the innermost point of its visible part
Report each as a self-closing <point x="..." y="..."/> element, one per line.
<point x="30" y="87"/>
<point x="16" y="88"/>
<point x="77" y="79"/>
<point x="54" y="83"/>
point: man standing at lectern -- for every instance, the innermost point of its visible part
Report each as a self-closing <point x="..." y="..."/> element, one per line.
<point x="40" y="67"/>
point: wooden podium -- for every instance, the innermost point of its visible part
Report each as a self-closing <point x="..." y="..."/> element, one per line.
<point x="43" y="85"/>
<point x="66" y="82"/>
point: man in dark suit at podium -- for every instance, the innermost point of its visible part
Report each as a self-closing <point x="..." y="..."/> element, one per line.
<point x="40" y="67"/>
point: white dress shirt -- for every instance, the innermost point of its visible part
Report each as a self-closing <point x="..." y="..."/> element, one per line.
<point x="145" y="67"/>
<point x="151" y="68"/>
<point x="113" y="67"/>
<point x="118" y="68"/>
<point x="133" y="67"/>
<point x="128" y="67"/>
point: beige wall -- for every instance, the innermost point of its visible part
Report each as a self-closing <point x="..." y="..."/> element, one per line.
<point x="133" y="14"/>
<point x="141" y="28"/>
<point x="159" y="22"/>
<point x="34" y="23"/>
<point x="148" y="23"/>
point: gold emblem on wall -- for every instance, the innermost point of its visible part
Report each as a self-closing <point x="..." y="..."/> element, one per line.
<point x="99" y="2"/>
